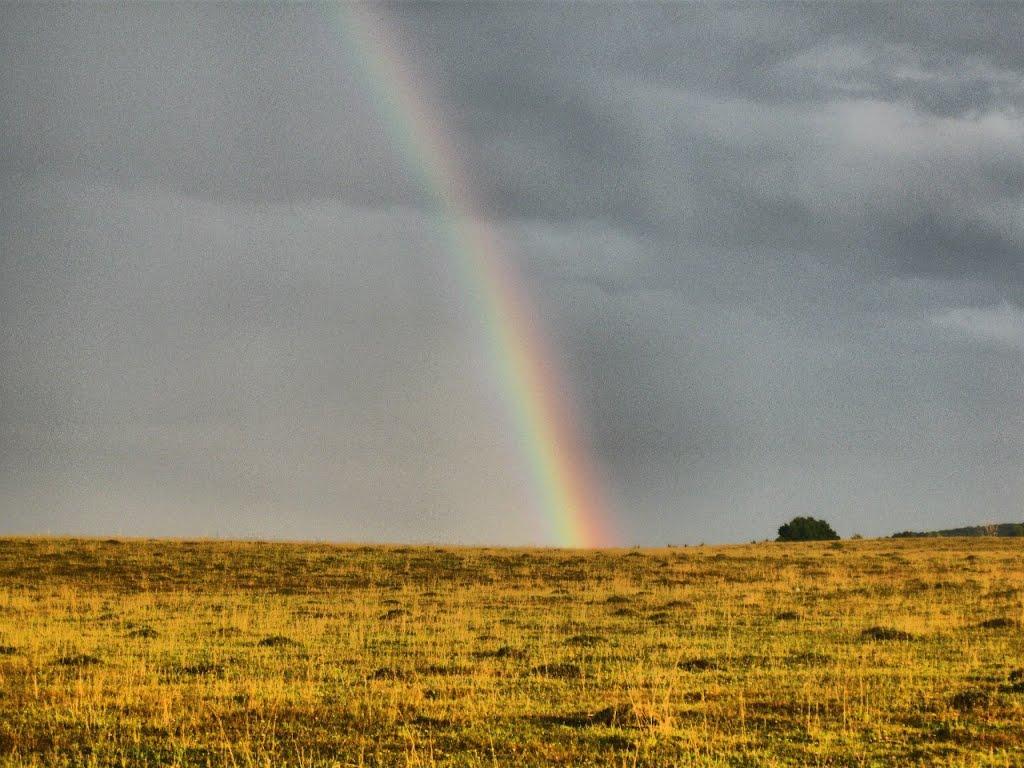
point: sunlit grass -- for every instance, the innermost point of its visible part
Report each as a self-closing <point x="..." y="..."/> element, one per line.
<point x="904" y="652"/>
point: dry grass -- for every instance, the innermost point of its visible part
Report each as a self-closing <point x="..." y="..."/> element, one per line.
<point x="879" y="653"/>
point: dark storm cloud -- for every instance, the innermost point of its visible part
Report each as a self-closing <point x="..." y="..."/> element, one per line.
<point x="967" y="54"/>
<point x="824" y="127"/>
<point x="778" y="247"/>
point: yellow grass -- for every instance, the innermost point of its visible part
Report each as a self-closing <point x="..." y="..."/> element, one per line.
<point x="247" y="654"/>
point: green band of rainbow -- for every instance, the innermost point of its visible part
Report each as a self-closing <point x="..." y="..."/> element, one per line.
<point x="567" y="490"/>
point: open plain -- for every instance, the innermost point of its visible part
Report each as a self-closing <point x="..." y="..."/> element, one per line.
<point x="208" y="653"/>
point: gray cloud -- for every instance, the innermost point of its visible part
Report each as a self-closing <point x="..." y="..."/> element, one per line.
<point x="779" y="251"/>
<point x="1003" y="324"/>
<point x="828" y="129"/>
<point x="212" y="101"/>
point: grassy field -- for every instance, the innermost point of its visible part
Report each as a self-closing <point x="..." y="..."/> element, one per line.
<point x="887" y="652"/>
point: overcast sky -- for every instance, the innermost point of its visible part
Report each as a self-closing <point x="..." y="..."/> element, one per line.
<point x="779" y="249"/>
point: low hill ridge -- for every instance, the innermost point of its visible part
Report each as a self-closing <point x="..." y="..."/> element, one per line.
<point x="992" y="529"/>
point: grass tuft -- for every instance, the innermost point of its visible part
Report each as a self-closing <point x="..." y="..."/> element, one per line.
<point x="970" y="699"/>
<point x="278" y="641"/>
<point x="585" y="641"/>
<point x="77" y="660"/>
<point x="885" y="634"/>
<point x="562" y="669"/>
<point x="698" y="665"/>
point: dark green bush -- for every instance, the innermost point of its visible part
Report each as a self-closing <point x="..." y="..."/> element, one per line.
<point x="806" y="529"/>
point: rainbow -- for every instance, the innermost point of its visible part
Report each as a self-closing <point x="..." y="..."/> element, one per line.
<point x="566" y="490"/>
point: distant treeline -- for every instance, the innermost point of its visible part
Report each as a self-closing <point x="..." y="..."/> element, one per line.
<point x="995" y="529"/>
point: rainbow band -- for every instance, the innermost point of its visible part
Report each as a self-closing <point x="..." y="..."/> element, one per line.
<point x="566" y="485"/>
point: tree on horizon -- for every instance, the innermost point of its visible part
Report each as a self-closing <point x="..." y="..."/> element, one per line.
<point x="806" y="529"/>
